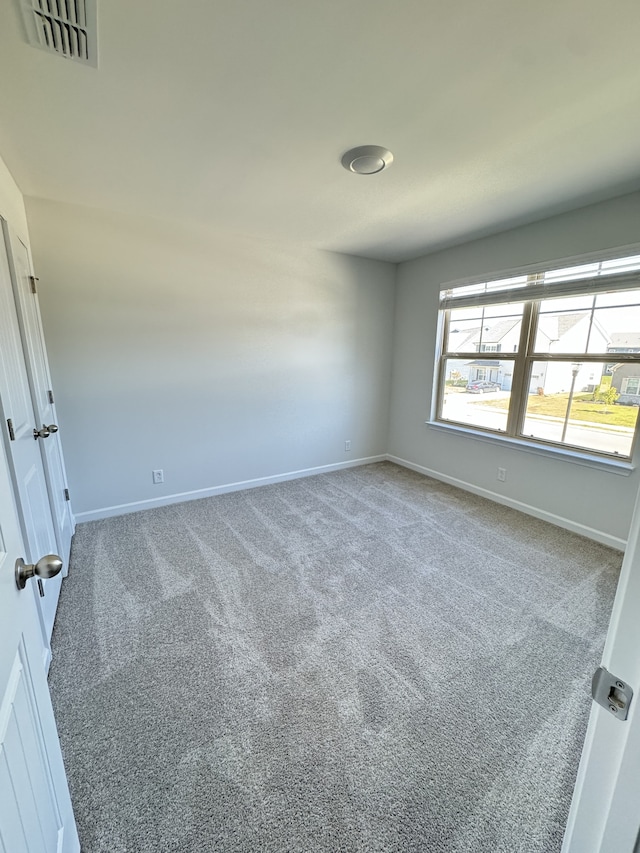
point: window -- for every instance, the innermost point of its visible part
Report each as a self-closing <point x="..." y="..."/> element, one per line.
<point x="543" y="346"/>
<point x="631" y="385"/>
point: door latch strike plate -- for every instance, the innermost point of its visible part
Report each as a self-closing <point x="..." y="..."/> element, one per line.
<point x="12" y="434"/>
<point x="611" y="692"/>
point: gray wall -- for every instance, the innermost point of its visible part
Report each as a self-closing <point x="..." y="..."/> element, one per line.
<point x="216" y="359"/>
<point x="12" y="204"/>
<point x="222" y="360"/>
<point x="596" y="499"/>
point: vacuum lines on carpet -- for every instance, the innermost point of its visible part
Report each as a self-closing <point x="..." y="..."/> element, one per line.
<point x="366" y="660"/>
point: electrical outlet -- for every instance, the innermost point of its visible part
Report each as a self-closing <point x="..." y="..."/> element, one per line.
<point x="158" y="476"/>
<point x="502" y="474"/>
<point x="347" y="446"/>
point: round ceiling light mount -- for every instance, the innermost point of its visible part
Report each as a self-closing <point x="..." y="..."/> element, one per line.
<point x="367" y="159"/>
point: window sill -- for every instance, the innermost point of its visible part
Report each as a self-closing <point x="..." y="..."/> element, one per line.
<point x="613" y="466"/>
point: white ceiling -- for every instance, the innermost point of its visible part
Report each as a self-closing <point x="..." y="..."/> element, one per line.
<point x="235" y="115"/>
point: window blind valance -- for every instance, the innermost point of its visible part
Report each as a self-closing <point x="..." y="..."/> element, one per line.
<point x="602" y="277"/>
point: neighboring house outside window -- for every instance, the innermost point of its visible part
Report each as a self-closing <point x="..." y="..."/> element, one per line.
<point x="550" y="335"/>
<point x="625" y="378"/>
<point x="625" y="342"/>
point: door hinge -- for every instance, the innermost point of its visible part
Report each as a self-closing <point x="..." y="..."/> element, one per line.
<point x="611" y="692"/>
<point x="67" y="496"/>
<point x="33" y="279"/>
<point x="12" y="434"/>
<point x="50" y="395"/>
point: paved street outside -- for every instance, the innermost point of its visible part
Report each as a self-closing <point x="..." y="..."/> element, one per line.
<point x="469" y="409"/>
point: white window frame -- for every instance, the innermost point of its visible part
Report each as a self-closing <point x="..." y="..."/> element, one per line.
<point x="531" y="286"/>
<point x="624" y="385"/>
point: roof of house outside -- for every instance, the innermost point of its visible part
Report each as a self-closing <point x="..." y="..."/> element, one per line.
<point x="556" y="326"/>
<point x="629" y="340"/>
<point x="494" y="334"/>
<point x="491" y="334"/>
<point x="553" y="326"/>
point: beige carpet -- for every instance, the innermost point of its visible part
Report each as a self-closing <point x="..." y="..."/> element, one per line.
<point x="367" y="660"/>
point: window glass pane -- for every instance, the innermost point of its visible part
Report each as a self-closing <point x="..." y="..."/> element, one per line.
<point x="500" y="334"/>
<point x="464" y="334"/>
<point x="477" y="392"/>
<point x="563" y="331"/>
<point x="582" y="405"/>
<point x="566" y="303"/>
<point x="459" y="314"/>
<point x="619" y="328"/>
<point x="622" y="297"/>
<point x="510" y="309"/>
<point x="494" y="328"/>
<point x="564" y="325"/>
<point x="567" y="325"/>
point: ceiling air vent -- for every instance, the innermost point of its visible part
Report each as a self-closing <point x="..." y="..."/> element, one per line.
<point x="64" y="27"/>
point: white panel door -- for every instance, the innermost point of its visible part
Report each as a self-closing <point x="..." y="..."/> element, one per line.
<point x="605" y="812"/>
<point x="18" y="423"/>
<point x="41" y="389"/>
<point x="35" y="807"/>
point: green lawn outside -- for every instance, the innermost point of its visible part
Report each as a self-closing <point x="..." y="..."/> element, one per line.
<point x="583" y="409"/>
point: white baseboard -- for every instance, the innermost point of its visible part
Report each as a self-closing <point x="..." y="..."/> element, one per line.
<point x="536" y="512"/>
<point x="137" y="506"/>
<point x="552" y="518"/>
